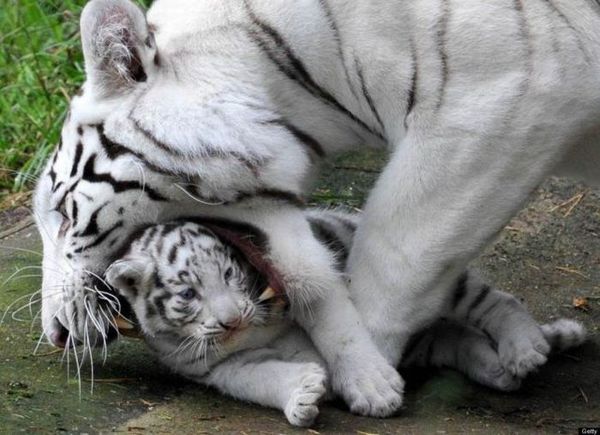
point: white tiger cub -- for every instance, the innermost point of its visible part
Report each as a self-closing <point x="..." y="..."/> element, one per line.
<point x="212" y="316"/>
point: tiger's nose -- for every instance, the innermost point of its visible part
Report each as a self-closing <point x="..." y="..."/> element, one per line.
<point x="60" y="337"/>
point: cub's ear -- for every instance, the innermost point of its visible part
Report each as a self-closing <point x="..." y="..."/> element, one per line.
<point x="129" y="274"/>
<point x="118" y="48"/>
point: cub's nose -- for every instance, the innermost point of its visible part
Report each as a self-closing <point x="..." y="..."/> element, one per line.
<point x="231" y="323"/>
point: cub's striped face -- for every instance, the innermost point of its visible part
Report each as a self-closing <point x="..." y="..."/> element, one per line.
<point x="183" y="282"/>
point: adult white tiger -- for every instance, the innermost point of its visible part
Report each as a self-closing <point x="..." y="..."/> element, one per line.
<point x="237" y="99"/>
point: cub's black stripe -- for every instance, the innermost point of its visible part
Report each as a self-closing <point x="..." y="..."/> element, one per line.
<point x="172" y="254"/>
<point x="367" y="95"/>
<point x="149" y="236"/>
<point x="336" y="33"/>
<point x="91" y="176"/>
<point x="281" y="54"/>
<point x="483" y="294"/>
<point x="100" y="238"/>
<point x="159" y="303"/>
<point x="442" y="28"/>
<point x="78" y="153"/>
<point x="306" y="139"/>
<point x="158" y="283"/>
<point x="460" y="290"/>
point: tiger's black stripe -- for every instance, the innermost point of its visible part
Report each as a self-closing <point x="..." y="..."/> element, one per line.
<point x="327" y="236"/>
<point x="58" y="185"/>
<point x="568" y="23"/>
<point x="74" y="214"/>
<point x="100" y="238"/>
<point x="525" y="32"/>
<point x="251" y="162"/>
<point x="412" y="90"/>
<point x="112" y="149"/>
<point x="460" y="290"/>
<point x="272" y="43"/>
<point x="90" y="175"/>
<point x="367" y="95"/>
<point x="336" y="33"/>
<point x="274" y="194"/>
<point x="91" y="228"/>
<point x="78" y="153"/>
<point x="306" y="139"/>
<point x="442" y="28"/>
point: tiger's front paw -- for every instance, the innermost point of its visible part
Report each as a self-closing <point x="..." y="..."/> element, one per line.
<point x="369" y="385"/>
<point x="302" y="408"/>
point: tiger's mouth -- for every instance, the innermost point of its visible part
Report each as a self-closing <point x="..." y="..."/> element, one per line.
<point x="94" y="320"/>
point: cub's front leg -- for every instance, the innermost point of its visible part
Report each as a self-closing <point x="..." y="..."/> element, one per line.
<point x="262" y="377"/>
<point x="359" y="373"/>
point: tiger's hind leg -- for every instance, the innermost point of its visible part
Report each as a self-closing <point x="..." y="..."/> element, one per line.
<point x="464" y="348"/>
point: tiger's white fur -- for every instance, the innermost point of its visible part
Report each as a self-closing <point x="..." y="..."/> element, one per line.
<point x="202" y="309"/>
<point x="234" y="101"/>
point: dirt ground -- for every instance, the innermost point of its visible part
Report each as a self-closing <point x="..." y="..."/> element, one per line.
<point x="548" y="255"/>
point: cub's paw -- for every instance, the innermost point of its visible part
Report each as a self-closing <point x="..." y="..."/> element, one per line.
<point x="302" y="408"/>
<point x="564" y="334"/>
<point x="523" y="351"/>
<point x="369" y="385"/>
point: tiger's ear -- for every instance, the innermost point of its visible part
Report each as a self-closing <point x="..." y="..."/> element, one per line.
<point x="118" y="47"/>
<point x="129" y="274"/>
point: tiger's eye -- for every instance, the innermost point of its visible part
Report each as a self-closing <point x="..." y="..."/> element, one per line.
<point x="188" y="294"/>
<point x="228" y="273"/>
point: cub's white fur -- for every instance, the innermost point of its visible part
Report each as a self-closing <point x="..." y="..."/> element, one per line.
<point x="211" y="317"/>
<point x="223" y="108"/>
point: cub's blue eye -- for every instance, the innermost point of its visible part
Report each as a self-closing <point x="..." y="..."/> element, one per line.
<point x="188" y="294"/>
<point x="228" y="273"/>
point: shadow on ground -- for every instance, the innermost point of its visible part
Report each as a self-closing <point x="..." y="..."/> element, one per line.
<point x="548" y="255"/>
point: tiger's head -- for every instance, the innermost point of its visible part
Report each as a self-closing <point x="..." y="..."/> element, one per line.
<point x="152" y="136"/>
<point x="184" y="283"/>
<point x="201" y="107"/>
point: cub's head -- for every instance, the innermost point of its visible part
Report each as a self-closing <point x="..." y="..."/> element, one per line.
<point x="183" y="282"/>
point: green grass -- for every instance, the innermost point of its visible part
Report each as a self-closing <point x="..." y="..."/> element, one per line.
<point x="40" y="66"/>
